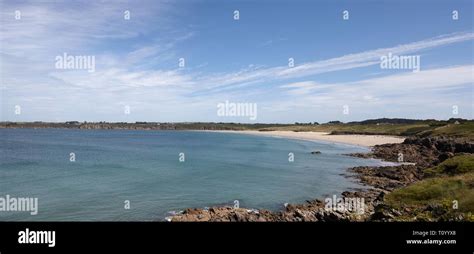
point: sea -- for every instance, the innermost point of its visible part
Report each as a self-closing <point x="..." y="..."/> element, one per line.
<point x="135" y="175"/>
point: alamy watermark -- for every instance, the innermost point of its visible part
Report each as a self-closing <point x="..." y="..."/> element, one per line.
<point x="353" y="205"/>
<point x="17" y="204"/>
<point x="70" y="62"/>
<point x="28" y="236"/>
<point x="237" y="109"/>
<point x="17" y="110"/>
<point x="396" y="62"/>
<point x="236" y="15"/>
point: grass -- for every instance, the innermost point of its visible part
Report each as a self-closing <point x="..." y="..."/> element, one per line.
<point x="441" y="191"/>
<point x="458" y="130"/>
<point x="422" y="128"/>
<point x="382" y="129"/>
<point x="452" y="180"/>
<point x="453" y="166"/>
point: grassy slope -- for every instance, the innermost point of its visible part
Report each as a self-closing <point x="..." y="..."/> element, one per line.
<point x="451" y="180"/>
<point x="454" y="166"/>
<point x="423" y="129"/>
<point x="460" y="130"/>
<point x="392" y="129"/>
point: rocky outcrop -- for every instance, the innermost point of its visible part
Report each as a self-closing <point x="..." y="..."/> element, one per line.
<point x="443" y="144"/>
<point x="224" y="214"/>
<point x="311" y="211"/>
<point x="387" y="178"/>
<point x="423" y="152"/>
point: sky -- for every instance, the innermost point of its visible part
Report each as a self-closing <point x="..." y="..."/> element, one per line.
<point x="138" y="46"/>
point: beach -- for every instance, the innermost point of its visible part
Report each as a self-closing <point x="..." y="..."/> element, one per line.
<point x="360" y="140"/>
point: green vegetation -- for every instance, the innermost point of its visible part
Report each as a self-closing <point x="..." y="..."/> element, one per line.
<point x="459" y="130"/>
<point x="436" y="197"/>
<point x="451" y="183"/>
<point x="396" y="127"/>
<point x="418" y="128"/>
<point x="457" y="165"/>
<point x="374" y="129"/>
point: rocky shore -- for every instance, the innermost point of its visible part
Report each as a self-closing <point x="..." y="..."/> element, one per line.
<point x="416" y="153"/>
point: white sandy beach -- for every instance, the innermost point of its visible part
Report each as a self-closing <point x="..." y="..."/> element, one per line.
<point x="360" y="140"/>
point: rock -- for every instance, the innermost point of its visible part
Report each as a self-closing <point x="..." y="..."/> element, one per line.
<point x="436" y="209"/>
<point x="389" y="177"/>
<point x="444" y="156"/>
<point x="360" y="155"/>
<point x="383" y="212"/>
<point x="240" y="217"/>
<point x="330" y="216"/>
<point x="380" y="197"/>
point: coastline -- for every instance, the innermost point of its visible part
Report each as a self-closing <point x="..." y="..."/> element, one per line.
<point x="421" y="153"/>
<point x="314" y="209"/>
<point x="350" y="139"/>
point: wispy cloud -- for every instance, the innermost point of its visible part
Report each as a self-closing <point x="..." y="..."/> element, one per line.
<point x="137" y="65"/>
<point x="429" y="88"/>
<point x="346" y="62"/>
<point x="427" y="80"/>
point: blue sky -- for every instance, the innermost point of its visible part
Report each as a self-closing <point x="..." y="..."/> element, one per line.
<point x="337" y="62"/>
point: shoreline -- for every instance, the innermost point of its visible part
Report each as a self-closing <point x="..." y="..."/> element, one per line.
<point x="349" y="139"/>
<point x="380" y="181"/>
<point x="313" y="209"/>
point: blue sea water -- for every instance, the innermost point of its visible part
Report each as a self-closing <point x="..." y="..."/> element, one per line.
<point x="143" y="167"/>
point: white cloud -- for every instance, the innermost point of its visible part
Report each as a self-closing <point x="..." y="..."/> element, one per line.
<point x="428" y="88"/>
<point x="137" y="74"/>
<point x="346" y="62"/>
<point x="438" y="78"/>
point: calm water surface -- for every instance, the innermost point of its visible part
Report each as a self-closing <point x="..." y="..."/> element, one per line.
<point x="143" y="167"/>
